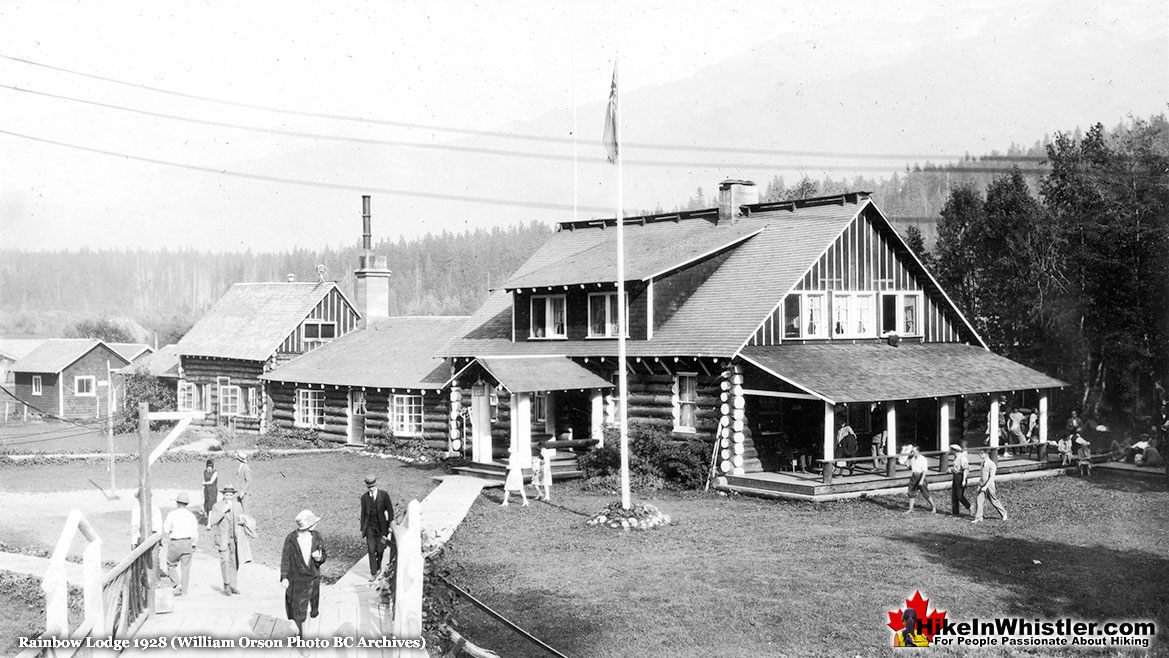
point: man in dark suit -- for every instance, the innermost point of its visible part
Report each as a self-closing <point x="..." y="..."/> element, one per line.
<point x="376" y="513"/>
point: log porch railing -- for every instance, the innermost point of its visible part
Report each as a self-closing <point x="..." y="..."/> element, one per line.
<point x="117" y="603"/>
<point x="827" y="471"/>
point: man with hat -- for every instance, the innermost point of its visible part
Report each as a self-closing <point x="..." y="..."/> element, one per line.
<point x="229" y="538"/>
<point x="243" y="477"/>
<point x="376" y="513"/>
<point x="959" y="472"/>
<point x="986" y="486"/>
<point x="300" y="570"/>
<point x="182" y="531"/>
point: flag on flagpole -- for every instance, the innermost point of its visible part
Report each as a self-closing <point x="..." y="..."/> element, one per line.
<point x="611" y="146"/>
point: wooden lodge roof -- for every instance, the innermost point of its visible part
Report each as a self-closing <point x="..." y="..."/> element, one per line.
<point x="534" y="374"/>
<point x="163" y="364"/>
<point x="16" y="349"/>
<point x="396" y="352"/>
<point x="251" y="320"/>
<point x="57" y="354"/>
<point x="130" y="351"/>
<point x="875" y="372"/>
<point x="769" y="251"/>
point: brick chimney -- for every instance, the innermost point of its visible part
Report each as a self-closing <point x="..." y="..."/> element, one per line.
<point x="732" y="195"/>
<point x="373" y="275"/>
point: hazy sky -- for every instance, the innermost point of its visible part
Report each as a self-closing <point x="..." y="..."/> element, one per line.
<point x="468" y="65"/>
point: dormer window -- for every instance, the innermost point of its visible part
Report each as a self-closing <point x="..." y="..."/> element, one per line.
<point x="901" y="313"/>
<point x="805" y="315"/>
<point x="548" y="317"/>
<point x="319" y="331"/>
<point x="603" y="315"/>
<point x="853" y="315"/>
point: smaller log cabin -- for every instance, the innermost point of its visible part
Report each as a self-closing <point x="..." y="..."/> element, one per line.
<point x="374" y="384"/>
<point x="68" y="378"/>
<point x="253" y="329"/>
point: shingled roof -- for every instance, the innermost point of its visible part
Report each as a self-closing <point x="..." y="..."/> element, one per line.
<point x="251" y="320"/>
<point x="769" y="251"/>
<point x="395" y="352"/>
<point x="130" y="351"/>
<point x="874" y="372"/>
<point x="56" y="354"/>
<point x="163" y="364"/>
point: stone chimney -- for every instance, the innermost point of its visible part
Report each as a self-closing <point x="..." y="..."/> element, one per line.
<point x="732" y="196"/>
<point x="373" y="275"/>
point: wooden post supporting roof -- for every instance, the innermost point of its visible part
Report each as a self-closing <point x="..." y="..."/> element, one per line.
<point x="829" y="435"/>
<point x="891" y="437"/>
<point x="1043" y="426"/>
<point x="944" y="406"/>
<point x="992" y="426"/>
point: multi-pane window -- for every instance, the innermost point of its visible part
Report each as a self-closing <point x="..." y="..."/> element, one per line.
<point x="805" y="315"/>
<point x="319" y="331"/>
<point x="229" y="396"/>
<point x="85" y="386"/>
<point x="310" y="408"/>
<point x="406" y="414"/>
<point x="548" y="317"/>
<point x="37" y="386"/>
<point x="539" y="407"/>
<point x="603" y="315"/>
<point x="687" y="384"/>
<point x="853" y="314"/>
<point x="901" y="313"/>
<point x="188" y="395"/>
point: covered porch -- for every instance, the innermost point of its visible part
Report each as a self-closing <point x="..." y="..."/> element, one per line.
<point x="929" y="395"/>
<point x="518" y="403"/>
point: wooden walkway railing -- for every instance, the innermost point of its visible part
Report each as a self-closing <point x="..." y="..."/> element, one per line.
<point x="117" y="603"/>
<point x="829" y="466"/>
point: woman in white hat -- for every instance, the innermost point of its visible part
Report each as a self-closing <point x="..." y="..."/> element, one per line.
<point x="300" y="570"/>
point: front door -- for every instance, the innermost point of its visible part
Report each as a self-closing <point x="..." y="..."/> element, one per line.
<point x="356" y="417"/>
<point x="481" y="423"/>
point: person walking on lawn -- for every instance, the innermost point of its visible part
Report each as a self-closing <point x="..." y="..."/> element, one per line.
<point x="229" y="538"/>
<point x="182" y="531"/>
<point x="986" y="488"/>
<point x="210" y="488"/>
<point x="959" y="473"/>
<point x="300" y="571"/>
<point x="918" y="465"/>
<point x="376" y="514"/>
<point x="243" y="478"/>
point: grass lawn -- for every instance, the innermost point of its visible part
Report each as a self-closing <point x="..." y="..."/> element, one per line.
<point x="329" y="484"/>
<point x="22" y="609"/>
<point x="53" y="437"/>
<point x="750" y="577"/>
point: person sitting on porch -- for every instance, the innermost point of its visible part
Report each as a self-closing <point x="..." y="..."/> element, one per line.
<point x="918" y="465"/>
<point x="1152" y="457"/>
<point x="1122" y="450"/>
<point x="1084" y="455"/>
<point x="846" y="445"/>
<point x="1064" y="448"/>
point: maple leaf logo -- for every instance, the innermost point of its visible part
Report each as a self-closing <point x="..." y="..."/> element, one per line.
<point x="930" y="622"/>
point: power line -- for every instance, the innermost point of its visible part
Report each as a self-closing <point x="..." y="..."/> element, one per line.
<point x="699" y="148"/>
<point x="6" y="443"/>
<point x="99" y="420"/>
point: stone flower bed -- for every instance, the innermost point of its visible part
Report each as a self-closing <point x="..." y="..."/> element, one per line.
<point x="640" y="516"/>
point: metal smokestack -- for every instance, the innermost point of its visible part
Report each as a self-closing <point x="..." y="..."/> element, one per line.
<point x="366" y="235"/>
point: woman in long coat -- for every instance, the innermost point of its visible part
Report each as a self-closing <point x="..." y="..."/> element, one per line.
<point x="300" y="570"/>
<point x="210" y="487"/>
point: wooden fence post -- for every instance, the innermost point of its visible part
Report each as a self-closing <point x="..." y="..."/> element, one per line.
<point x="407" y="620"/>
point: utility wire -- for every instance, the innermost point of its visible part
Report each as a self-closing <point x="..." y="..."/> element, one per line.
<point x="512" y="135"/>
<point x="51" y="415"/>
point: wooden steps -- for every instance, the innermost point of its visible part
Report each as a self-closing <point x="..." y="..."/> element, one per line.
<point x="564" y="467"/>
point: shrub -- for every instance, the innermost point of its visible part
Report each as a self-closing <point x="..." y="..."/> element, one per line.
<point x="297" y="437"/>
<point x="654" y="453"/>
<point x="143" y="387"/>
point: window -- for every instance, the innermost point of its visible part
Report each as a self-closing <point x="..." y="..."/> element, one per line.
<point x="406" y="413"/>
<point x="853" y="314"/>
<point x="548" y="317"/>
<point x="687" y="385"/>
<point x="901" y="313"/>
<point x="310" y="408"/>
<point x="251" y="399"/>
<point x="804" y="315"/>
<point x="539" y="407"/>
<point x="230" y="401"/>
<point x="603" y="315"/>
<point x="318" y="331"/>
<point x="37" y="388"/>
<point x="188" y="394"/>
<point x="84" y="386"/>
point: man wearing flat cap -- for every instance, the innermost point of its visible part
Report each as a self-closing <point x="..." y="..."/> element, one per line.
<point x="182" y="532"/>
<point x="376" y="513"/>
<point x="300" y="570"/>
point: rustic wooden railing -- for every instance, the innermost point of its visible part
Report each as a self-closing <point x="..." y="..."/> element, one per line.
<point x="116" y="603"/>
<point x="827" y="472"/>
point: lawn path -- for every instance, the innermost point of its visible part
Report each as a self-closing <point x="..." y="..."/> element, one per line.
<point x="445" y="508"/>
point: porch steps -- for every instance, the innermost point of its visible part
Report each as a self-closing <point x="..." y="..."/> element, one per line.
<point x="564" y="467"/>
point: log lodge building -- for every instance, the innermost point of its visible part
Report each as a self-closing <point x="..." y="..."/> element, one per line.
<point x="757" y="327"/>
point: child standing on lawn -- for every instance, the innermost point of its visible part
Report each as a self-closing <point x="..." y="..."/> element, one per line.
<point x="515" y="479"/>
<point x="538" y="477"/>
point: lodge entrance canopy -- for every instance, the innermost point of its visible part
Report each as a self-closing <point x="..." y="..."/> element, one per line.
<point x="533" y="374"/>
<point x="876" y="372"/>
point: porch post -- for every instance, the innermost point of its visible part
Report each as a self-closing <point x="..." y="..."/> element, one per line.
<point x="944" y="434"/>
<point x="550" y="415"/>
<point x="521" y="428"/>
<point x="992" y="423"/>
<point x="891" y="437"/>
<point x="597" y="420"/>
<point x="829" y="444"/>
<point x="1043" y="425"/>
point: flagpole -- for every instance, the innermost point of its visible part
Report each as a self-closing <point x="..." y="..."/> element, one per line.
<point x="622" y="377"/>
